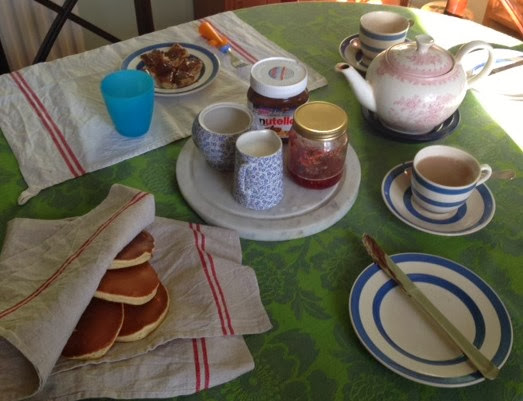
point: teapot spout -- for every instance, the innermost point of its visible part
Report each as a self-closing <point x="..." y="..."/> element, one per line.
<point x="359" y="85"/>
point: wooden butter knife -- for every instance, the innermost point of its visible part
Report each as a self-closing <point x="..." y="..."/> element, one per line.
<point x="486" y="367"/>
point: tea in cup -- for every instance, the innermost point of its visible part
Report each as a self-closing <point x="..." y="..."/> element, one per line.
<point x="443" y="177"/>
<point x="215" y="130"/>
<point x="258" y="170"/>
<point x="380" y="30"/>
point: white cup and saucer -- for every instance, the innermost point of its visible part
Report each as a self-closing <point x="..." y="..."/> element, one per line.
<point x="378" y="31"/>
<point x="447" y="209"/>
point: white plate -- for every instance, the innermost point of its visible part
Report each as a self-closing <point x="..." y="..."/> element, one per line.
<point x="507" y="83"/>
<point x="351" y="54"/>
<point x="475" y="214"/>
<point x="211" y="66"/>
<point x="404" y="339"/>
<point x="302" y="211"/>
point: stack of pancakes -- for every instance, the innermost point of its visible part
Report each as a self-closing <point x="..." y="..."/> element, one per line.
<point x="129" y="303"/>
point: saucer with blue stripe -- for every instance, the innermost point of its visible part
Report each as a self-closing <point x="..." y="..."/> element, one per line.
<point x="472" y="216"/>
<point x="405" y="340"/>
<point x="352" y="54"/>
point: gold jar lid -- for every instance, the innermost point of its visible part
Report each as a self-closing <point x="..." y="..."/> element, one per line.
<point x="321" y="121"/>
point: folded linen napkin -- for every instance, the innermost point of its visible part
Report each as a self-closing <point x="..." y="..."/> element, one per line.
<point x="56" y="123"/>
<point x="49" y="271"/>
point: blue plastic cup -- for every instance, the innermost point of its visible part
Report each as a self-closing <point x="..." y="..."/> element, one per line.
<point x="129" y="97"/>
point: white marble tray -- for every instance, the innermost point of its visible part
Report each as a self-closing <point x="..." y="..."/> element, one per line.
<point x="302" y="211"/>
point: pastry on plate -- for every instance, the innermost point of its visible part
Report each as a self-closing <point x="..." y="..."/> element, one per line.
<point x="174" y="68"/>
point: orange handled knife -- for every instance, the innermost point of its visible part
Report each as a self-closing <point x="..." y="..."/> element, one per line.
<point x="214" y="38"/>
<point x="221" y="43"/>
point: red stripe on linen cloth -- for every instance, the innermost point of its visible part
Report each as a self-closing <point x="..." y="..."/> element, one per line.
<point x="201" y="359"/>
<point x="236" y="46"/>
<point x="135" y="199"/>
<point x="56" y="134"/>
<point x="207" y="276"/>
<point x="206" y="364"/>
<point x="199" y="240"/>
<point x="197" y="369"/>
<point x="217" y="283"/>
<point x="244" y="53"/>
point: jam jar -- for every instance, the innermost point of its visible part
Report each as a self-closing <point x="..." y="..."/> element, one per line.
<point x="317" y="145"/>
<point x="278" y="86"/>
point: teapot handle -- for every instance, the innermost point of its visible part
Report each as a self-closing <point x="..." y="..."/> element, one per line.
<point x="487" y="68"/>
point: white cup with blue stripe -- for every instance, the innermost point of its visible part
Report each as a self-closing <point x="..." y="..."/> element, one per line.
<point x="443" y="178"/>
<point x="380" y="30"/>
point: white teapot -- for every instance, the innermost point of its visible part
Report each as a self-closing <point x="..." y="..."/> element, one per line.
<point x="415" y="86"/>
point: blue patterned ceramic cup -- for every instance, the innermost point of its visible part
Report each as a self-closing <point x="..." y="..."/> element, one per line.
<point x="443" y="178"/>
<point x="258" y="170"/>
<point x="215" y="130"/>
<point x="380" y="30"/>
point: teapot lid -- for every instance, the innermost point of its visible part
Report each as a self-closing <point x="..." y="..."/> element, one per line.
<point x="421" y="58"/>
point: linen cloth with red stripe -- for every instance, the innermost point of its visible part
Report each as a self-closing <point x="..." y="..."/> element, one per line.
<point x="56" y="123"/>
<point x="49" y="271"/>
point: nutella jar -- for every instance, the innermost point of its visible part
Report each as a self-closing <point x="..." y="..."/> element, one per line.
<point x="317" y="145"/>
<point x="278" y="87"/>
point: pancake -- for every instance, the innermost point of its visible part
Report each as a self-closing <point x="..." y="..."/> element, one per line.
<point x="140" y="320"/>
<point x="134" y="285"/>
<point x="96" y="330"/>
<point x="138" y="251"/>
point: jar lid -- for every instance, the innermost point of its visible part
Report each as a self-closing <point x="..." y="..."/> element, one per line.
<point x="421" y="58"/>
<point x="278" y="77"/>
<point x="320" y="121"/>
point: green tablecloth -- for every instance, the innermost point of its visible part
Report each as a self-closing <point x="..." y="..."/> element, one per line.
<point x="313" y="353"/>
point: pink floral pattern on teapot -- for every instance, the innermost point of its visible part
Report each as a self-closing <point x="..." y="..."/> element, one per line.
<point x="412" y="87"/>
<point x="408" y="74"/>
<point x="421" y="113"/>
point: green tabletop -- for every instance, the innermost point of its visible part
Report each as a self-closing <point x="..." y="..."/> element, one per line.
<point x="313" y="353"/>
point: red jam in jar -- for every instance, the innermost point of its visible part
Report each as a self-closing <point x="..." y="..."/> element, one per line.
<point x="317" y="145"/>
<point x="278" y="88"/>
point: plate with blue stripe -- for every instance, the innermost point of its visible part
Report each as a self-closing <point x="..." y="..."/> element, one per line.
<point x="405" y="340"/>
<point x="472" y="216"/>
<point x="209" y="72"/>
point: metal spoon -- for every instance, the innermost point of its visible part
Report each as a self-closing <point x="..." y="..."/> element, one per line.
<point x="504" y="175"/>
